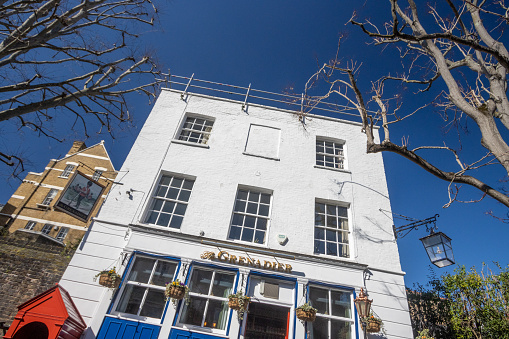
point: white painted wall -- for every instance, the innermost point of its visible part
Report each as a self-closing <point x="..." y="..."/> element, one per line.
<point x="287" y="169"/>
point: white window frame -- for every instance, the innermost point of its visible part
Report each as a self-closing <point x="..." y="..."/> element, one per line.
<point x="97" y="174"/>
<point x="202" y="131"/>
<point x="46" y="229"/>
<point x="156" y="199"/>
<point x="148" y="286"/>
<point x="245" y="214"/>
<point x="67" y="171"/>
<point x="50" y="197"/>
<point x="333" y="228"/>
<point x="337" y="159"/>
<point x="30" y="225"/>
<point x="62" y="233"/>
<point x="208" y="297"/>
<point x="328" y="317"/>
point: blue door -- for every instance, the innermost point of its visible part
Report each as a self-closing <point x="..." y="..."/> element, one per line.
<point x="183" y="334"/>
<point x="113" y="328"/>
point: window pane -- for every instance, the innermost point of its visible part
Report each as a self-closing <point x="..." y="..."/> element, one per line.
<point x="250" y="222"/>
<point x="264" y="210"/>
<point x="223" y="284"/>
<point x="217" y="313"/>
<point x="168" y="206"/>
<point x="176" y="221"/>
<point x="154" y="304"/>
<point x="240" y="206"/>
<point x="176" y="182"/>
<point x="131" y="299"/>
<point x="332" y="248"/>
<point x="242" y="195"/>
<point x="184" y="195"/>
<point x="341" y="304"/>
<point x="172" y="193"/>
<point x="164" y="219"/>
<point x="165" y="180"/>
<point x="340" y="329"/>
<point x="261" y="224"/>
<point x="247" y="234"/>
<point x="141" y="270"/>
<point x="320" y="208"/>
<point x="152" y="218"/>
<point x="237" y="219"/>
<point x="164" y="273"/>
<point x="192" y="313"/>
<point x="343" y="212"/>
<point x="188" y="184"/>
<point x="265" y="199"/>
<point x="319" y="233"/>
<point x="157" y="205"/>
<point x="254" y="196"/>
<point x="319" y="329"/>
<point x="161" y="192"/>
<point x="252" y="208"/>
<point x="319" y="299"/>
<point x="319" y="247"/>
<point x="200" y="281"/>
<point x="235" y="233"/>
<point x="332" y="221"/>
<point x="259" y="237"/>
<point x="331" y="235"/>
<point x="320" y="219"/>
<point x="181" y="209"/>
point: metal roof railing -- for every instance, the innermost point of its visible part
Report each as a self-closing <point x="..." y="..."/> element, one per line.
<point x="301" y="104"/>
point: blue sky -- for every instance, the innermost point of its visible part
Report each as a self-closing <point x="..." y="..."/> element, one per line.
<point x="276" y="44"/>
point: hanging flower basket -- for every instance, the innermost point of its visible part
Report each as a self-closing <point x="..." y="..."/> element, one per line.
<point x="109" y="278"/>
<point x="373" y="326"/>
<point x="238" y="302"/>
<point x="176" y="290"/>
<point x="373" y="323"/>
<point x="306" y="312"/>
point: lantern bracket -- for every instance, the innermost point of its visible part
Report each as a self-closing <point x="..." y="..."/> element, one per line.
<point x="430" y="223"/>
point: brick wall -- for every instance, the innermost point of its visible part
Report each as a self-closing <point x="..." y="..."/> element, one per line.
<point x="27" y="269"/>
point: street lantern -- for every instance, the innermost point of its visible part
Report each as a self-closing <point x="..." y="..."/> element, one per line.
<point x="363" y="306"/>
<point x="437" y="245"/>
<point x="439" y="249"/>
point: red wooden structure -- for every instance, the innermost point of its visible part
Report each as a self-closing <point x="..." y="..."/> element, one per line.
<point x="50" y="315"/>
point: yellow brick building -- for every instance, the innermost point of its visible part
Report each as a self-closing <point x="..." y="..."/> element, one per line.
<point x="35" y="211"/>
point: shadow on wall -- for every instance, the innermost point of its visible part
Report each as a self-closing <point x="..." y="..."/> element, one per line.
<point x="370" y="224"/>
<point x="341" y="184"/>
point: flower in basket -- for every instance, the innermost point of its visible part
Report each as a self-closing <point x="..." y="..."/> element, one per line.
<point x="239" y="302"/>
<point x="373" y="323"/>
<point x="176" y="290"/>
<point x="306" y="312"/>
<point x="108" y="278"/>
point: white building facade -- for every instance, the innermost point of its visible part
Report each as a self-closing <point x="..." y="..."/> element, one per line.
<point x="230" y="198"/>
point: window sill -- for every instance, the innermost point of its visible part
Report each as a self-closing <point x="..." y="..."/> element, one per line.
<point x="157" y="227"/>
<point x="241" y="242"/>
<point x="46" y="207"/>
<point x="328" y="256"/>
<point x="195" y="144"/>
<point x="260" y="156"/>
<point x="333" y="169"/>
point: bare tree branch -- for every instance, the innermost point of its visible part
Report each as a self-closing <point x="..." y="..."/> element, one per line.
<point x="72" y="56"/>
<point x="465" y="57"/>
